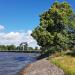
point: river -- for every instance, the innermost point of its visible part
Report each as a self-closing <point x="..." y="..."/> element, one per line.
<point x="11" y="63"/>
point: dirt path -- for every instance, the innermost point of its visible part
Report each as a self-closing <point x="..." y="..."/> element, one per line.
<point x="42" y="67"/>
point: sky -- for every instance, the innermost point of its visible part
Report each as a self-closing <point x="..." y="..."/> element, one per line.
<point x="19" y="17"/>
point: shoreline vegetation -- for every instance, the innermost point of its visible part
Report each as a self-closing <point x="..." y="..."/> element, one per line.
<point x="23" y="47"/>
<point x="65" y="62"/>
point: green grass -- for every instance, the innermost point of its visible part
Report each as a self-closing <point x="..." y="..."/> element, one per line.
<point x="67" y="63"/>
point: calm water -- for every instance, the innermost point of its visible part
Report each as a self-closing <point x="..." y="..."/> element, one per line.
<point x="12" y="63"/>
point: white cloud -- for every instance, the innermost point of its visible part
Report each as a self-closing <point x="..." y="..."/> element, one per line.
<point x="2" y="27"/>
<point x="17" y="37"/>
<point x="12" y="36"/>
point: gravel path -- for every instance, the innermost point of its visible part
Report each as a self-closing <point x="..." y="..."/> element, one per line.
<point x="42" y="67"/>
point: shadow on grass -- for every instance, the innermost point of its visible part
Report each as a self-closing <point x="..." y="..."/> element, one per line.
<point x="44" y="55"/>
<point x="72" y="53"/>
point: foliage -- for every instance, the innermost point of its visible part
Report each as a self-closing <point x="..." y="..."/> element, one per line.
<point x="14" y="48"/>
<point x="30" y="48"/>
<point x="7" y="47"/>
<point x="56" y="29"/>
<point x="36" y="48"/>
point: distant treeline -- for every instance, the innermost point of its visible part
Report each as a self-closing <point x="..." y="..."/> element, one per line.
<point x="16" y="48"/>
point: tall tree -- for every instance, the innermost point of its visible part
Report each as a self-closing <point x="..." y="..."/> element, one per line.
<point x="55" y="28"/>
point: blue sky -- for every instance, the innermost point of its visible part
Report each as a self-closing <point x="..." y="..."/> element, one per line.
<point x="23" y="15"/>
<point x="18" y="15"/>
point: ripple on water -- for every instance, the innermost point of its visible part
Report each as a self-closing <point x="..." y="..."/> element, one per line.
<point x="12" y="63"/>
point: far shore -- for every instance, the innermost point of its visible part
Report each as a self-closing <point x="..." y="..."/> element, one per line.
<point x="23" y="51"/>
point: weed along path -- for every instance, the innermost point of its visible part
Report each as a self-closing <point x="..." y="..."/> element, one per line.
<point x="42" y="67"/>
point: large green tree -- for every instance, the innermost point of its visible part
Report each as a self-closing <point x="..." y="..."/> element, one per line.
<point x="56" y="28"/>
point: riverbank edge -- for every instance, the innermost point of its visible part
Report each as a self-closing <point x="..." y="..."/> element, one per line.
<point x="22" y="51"/>
<point x="41" y="67"/>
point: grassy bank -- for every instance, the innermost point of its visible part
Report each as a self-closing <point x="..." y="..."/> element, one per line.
<point x="67" y="63"/>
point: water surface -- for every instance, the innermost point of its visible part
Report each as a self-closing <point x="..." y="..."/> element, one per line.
<point x="12" y="63"/>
